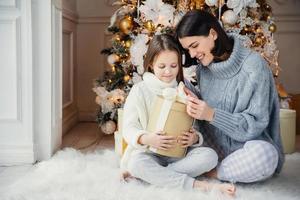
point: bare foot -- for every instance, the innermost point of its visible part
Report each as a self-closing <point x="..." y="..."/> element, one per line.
<point x="225" y="188"/>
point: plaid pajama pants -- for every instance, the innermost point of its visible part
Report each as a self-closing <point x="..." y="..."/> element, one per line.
<point x="256" y="161"/>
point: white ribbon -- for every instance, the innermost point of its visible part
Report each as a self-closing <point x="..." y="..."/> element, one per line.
<point x="170" y="95"/>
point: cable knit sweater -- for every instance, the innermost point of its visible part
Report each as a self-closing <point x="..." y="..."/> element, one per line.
<point x="243" y="94"/>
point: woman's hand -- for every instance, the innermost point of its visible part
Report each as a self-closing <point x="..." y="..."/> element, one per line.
<point x="199" y="109"/>
<point x="188" y="138"/>
<point x="158" y="140"/>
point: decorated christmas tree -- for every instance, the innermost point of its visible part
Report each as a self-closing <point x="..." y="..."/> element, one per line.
<point x="135" y="22"/>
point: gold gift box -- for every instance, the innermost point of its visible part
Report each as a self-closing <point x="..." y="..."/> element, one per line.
<point x="177" y="122"/>
<point x="120" y="143"/>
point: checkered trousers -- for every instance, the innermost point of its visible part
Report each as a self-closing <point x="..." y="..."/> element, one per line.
<point x="256" y="161"/>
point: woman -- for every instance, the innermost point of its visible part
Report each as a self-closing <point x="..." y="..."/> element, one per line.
<point x="235" y="102"/>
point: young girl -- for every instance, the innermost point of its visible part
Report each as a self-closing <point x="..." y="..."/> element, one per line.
<point x="162" y="70"/>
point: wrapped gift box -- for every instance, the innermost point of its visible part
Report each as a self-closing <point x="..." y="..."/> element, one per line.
<point x="120" y="144"/>
<point x="177" y="122"/>
<point x="288" y="129"/>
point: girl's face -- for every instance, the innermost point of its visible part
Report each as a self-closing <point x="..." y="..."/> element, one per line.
<point x="165" y="66"/>
<point x="200" y="47"/>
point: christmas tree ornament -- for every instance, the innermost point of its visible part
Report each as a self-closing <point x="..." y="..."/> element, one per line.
<point x="126" y="78"/>
<point x="272" y="28"/>
<point x="260" y="40"/>
<point x="126" y="24"/>
<point x="258" y="30"/>
<point x="128" y="43"/>
<point x="113" y="58"/>
<point x="108" y="127"/>
<point x="149" y="26"/>
<point x="229" y="17"/>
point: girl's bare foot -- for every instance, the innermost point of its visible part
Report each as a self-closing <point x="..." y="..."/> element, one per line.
<point x="225" y="188"/>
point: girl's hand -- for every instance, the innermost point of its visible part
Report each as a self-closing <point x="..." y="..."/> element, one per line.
<point x="199" y="109"/>
<point x="158" y="140"/>
<point x="188" y="138"/>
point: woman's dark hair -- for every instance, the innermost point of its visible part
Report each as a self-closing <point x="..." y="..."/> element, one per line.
<point x="161" y="43"/>
<point x="199" y="23"/>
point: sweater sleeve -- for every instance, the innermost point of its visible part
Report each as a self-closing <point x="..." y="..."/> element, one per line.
<point x="248" y="123"/>
<point x="132" y="127"/>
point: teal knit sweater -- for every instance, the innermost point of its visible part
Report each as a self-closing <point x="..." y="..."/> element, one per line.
<point x="243" y="94"/>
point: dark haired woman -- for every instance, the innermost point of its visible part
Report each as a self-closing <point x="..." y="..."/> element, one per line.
<point x="235" y="101"/>
<point x="163" y="70"/>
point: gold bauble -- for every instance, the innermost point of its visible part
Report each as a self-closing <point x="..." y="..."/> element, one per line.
<point x="259" y="41"/>
<point x="126" y="24"/>
<point x="259" y="30"/>
<point x="149" y="26"/>
<point x="128" y="43"/>
<point x="126" y="78"/>
<point x="272" y="28"/>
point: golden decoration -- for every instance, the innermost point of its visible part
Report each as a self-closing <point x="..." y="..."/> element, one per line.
<point x="272" y="28"/>
<point x="126" y="78"/>
<point x="126" y="24"/>
<point x="259" y="30"/>
<point x="128" y="43"/>
<point x="149" y="26"/>
<point x="259" y="40"/>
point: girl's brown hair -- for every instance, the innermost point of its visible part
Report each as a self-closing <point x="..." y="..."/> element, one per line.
<point x="161" y="43"/>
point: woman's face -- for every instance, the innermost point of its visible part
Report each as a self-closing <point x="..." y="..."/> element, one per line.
<point x="200" y="47"/>
<point x="165" y="66"/>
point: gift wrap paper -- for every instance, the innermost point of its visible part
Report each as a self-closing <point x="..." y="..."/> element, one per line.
<point x="177" y="122"/>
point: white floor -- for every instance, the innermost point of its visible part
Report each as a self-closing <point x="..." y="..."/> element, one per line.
<point x="82" y="135"/>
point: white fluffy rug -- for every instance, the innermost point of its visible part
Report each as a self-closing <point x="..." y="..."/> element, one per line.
<point x="71" y="175"/>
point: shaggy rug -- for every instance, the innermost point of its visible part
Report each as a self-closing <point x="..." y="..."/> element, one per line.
<point x="72" y="175"/>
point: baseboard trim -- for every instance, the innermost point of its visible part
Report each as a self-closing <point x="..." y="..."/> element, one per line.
<point x="69" y="122"/>
<point x="11" y="155"/>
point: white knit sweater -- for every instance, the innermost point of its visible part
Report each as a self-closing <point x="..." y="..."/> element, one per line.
<point x="136" y="113"/>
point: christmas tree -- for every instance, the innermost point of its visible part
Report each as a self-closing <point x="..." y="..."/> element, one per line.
<point x="135" y="22"/>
